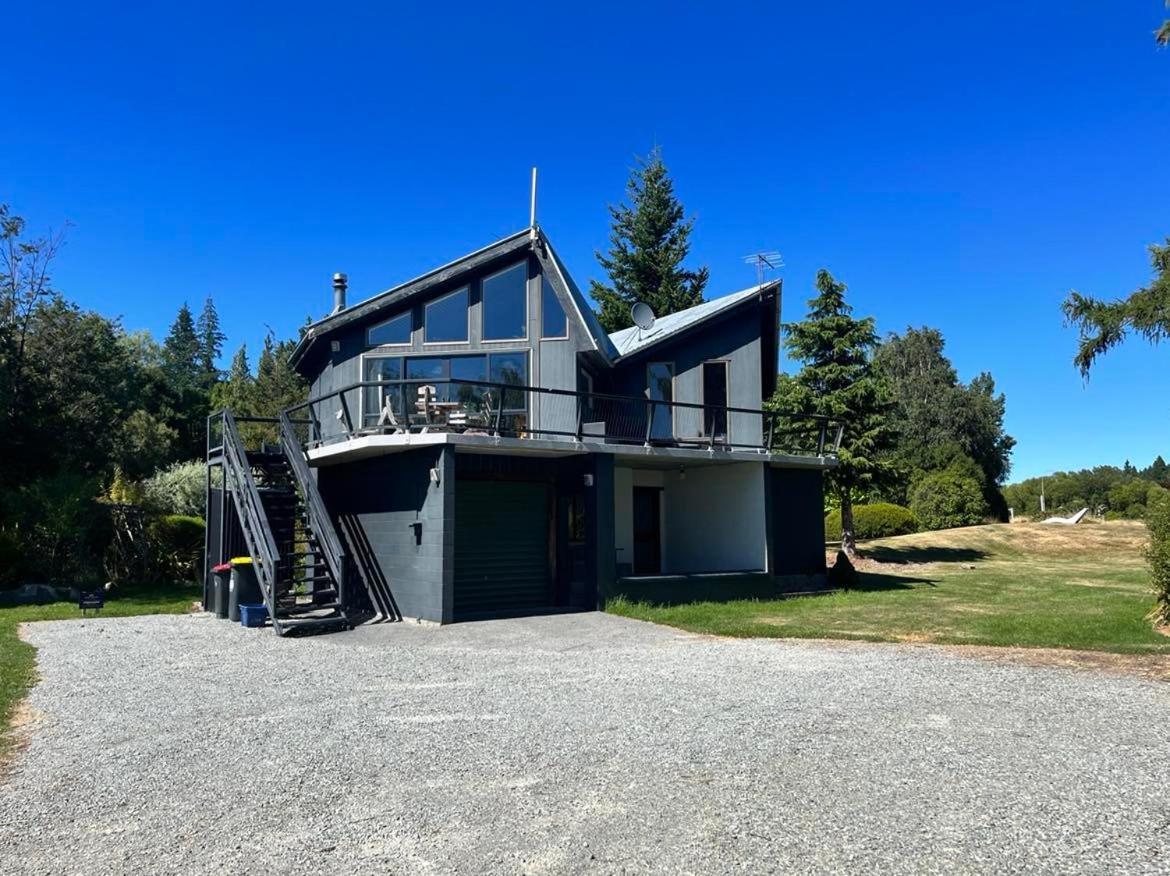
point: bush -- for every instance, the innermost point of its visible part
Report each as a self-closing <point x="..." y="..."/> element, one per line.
<point x="1158" y="553"/>
<point x="880" y="520"/>
<point x="176" y="544"/>
<point x="56" y="532"/>
<point x="178" y="489"/>
<point x="946" y="499"/>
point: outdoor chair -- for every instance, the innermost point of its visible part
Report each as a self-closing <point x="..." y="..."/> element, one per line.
<point x="388" y="422"/>
<point x="425" y="407"/>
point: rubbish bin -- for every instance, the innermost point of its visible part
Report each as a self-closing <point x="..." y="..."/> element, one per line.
<point x="221" y="585"/>
<point x="244" y="586"/>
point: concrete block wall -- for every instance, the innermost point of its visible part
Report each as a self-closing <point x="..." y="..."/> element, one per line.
<point x="398" y="526"/>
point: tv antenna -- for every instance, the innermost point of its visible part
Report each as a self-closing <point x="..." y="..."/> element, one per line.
<point x="764" y="261"/>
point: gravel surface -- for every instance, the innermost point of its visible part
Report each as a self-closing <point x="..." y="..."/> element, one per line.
<point x="582" y="743"/>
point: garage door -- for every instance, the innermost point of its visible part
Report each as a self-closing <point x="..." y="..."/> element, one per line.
<point x="501" y="547"/>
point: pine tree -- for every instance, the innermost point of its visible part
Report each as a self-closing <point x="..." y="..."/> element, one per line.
<point x="838" y="380"/>
<point x="210" y="342"/>
<point x="237" y="391"/>
<point x="649" y="240"/>
<point x="278" y="385"/>
<point x="181" y="352"/>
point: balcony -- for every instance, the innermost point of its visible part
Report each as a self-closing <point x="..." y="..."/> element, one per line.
<point x="396" y="414"/>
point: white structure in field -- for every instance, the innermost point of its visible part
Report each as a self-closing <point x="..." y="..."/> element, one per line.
<point x="1068" y="521"/>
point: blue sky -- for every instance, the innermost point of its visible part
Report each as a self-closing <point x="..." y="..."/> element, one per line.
<point x="959" y="166"/>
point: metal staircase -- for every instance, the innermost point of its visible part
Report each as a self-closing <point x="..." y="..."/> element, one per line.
<point x="298" y="558"/>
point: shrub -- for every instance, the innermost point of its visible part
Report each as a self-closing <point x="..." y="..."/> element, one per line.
<point x="946" y="499"/>
<point x="176" y="544"/>
<point x="57" y="532"/>
<point x="178" y="489"/>
<point x="880" y="520"/>
<point x="1158" y="553"/>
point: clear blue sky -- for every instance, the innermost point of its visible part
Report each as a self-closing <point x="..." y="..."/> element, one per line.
<point x="958" y="165"/>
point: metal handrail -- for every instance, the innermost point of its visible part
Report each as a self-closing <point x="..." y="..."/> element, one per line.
<point x="769" y="431"/>
<point x="246" y="497"/>
<point x="319" y="519"/>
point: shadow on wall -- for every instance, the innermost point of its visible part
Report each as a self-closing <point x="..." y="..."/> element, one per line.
<point x="363" y="560"/>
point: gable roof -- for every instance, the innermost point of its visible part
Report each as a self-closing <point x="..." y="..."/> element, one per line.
<point x="396" y="295"/>
<point x="601" y="341"/>
<point x="403" y="292"/>
<point x="633" y="340"/>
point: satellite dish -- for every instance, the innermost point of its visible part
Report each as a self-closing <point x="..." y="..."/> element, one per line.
<point x="643" y="316"/>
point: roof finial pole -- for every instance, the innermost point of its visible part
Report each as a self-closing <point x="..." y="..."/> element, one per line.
<point x="532" y="208"/>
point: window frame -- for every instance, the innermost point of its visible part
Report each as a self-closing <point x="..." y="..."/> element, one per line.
<point x="673" y="397"/>
<point x="465" y="290"/>
<point x="367" y="356"/>
<point x="408" y="315"/>
<point x="726" y="363"/>
<point x="403" y="380"/>
<point x="483" y="339"/>
<point x="545" y="285"/>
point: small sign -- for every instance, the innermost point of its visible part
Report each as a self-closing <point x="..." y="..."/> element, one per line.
<point x="91" y="600"/>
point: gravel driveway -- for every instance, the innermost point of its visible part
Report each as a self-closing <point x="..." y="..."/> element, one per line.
<point x="582" y="743"/>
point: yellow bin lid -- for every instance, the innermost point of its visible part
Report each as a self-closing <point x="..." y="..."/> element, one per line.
<point x="240" y="561"/>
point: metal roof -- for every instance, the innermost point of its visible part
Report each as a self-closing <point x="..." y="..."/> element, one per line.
<point x="633" y="340"/>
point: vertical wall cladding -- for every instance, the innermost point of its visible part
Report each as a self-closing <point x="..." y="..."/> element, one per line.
<point x="552" y="362"/>
<point x="734" y="339"/>
<point x="798" y="521"/>
<point x="395" y="522"/>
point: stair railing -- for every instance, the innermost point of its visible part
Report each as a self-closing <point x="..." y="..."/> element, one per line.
<point x="253" y="519"/>
<point x="319" y="520"/>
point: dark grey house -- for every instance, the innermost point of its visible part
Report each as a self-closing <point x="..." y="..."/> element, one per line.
<point x="475" y="444"/>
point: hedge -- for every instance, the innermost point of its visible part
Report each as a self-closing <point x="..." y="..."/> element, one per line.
<point x="879" y="520"/>
<point x="176" y="543"/>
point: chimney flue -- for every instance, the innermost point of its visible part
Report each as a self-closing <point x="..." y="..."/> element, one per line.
<point x="339" y="284"/>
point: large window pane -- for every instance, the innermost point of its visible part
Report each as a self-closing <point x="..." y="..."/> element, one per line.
<point x="393" y="331"/>
<point x="505" y="308"/>
<point x="511" y="369"/>
<point x="446" y="318"/>
<point x="554" y="324"/>
<point x="660" y="385"/>
<point x="380" y="368"/>
<point x="467" y="368"/>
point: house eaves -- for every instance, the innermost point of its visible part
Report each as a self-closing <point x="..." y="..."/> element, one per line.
<point x="403" y="292"/>
<point x="632" y="341"/>
<point x="601" y="341"/>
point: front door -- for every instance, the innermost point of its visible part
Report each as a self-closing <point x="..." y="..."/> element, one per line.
<point x="647" y="530"/>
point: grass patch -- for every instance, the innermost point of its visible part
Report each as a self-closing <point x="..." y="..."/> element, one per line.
<point x="1025" y="585"/>
<point x="18" y="658"/>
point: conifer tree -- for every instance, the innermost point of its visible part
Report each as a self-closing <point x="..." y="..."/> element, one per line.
<point x="210" y="342"/>
<point x="181" y="352"/>
<point x="649" y="240"/>
<point x="237" y="391"/>
<point x="838" y="380"/>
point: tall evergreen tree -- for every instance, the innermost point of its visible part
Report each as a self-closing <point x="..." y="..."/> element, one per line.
<point x="649" y="240"/>
<point x="210" y="342"/>
<point x="837" y="379"/>
<point x="278" y="385"/>
<point x="237" y="392"/>
<point x="181" y="352"/>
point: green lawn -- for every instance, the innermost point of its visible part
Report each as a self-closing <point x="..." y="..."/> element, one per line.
<point x="1028" y="585"/>
<point x="18" y="659"/>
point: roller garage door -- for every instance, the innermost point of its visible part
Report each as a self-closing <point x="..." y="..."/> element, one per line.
<point x="501" y="547"/>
